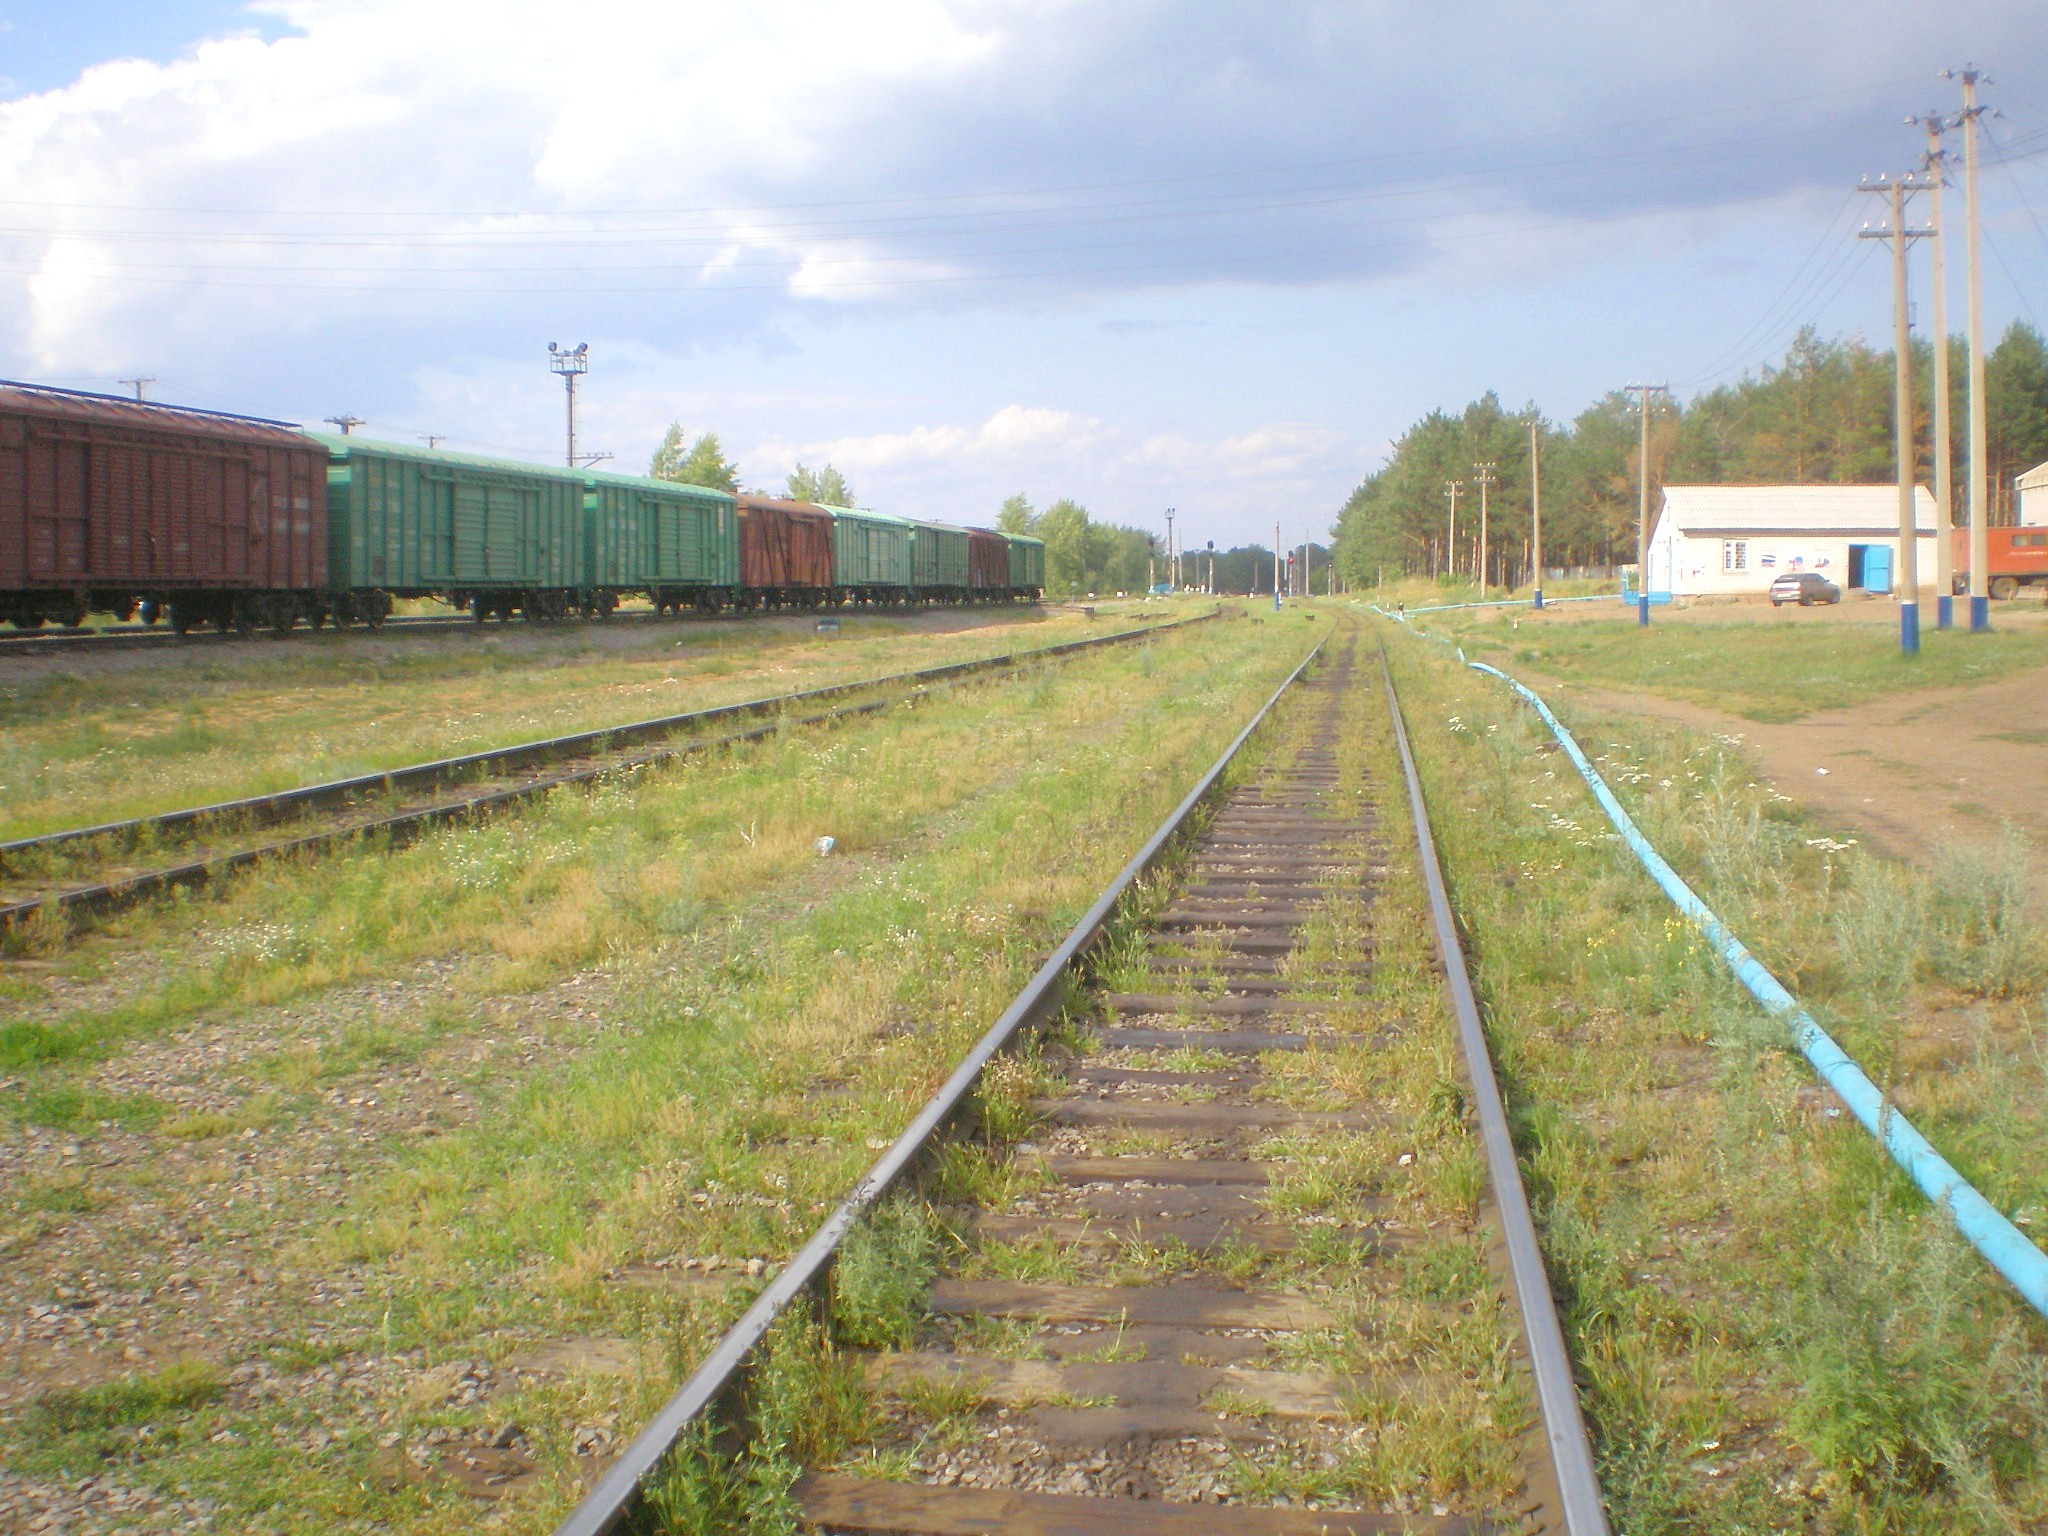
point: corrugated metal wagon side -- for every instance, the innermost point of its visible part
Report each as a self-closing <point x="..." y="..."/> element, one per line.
<point x="1027" y="566"/>
<point x="938" y="563"/>
<point x="785" y="553"/>
<point x="679" y="544"/>
<point x="870" y="555"/>
<point x="988" y="565"/>
<point x="490" y="535"/>
<point x="118" y="506"/>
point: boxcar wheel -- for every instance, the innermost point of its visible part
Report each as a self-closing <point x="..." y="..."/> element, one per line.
<point x="2003" y="587"/>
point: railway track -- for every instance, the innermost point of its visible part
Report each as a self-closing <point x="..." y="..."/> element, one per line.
<point x="1201" y="1298"/>
<point x="89" y="639"/>
<point x="102" y="868"/>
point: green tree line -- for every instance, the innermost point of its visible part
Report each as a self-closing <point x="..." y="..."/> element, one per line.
<point x="1824" y="416"/>
<point x="703" y="462"/>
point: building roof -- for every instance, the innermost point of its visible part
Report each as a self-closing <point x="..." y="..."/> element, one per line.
<point x="2035" y="478"/>
<point x="1747" y="511"/>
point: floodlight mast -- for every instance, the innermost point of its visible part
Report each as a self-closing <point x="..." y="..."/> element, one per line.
<point x="571" y="364"/>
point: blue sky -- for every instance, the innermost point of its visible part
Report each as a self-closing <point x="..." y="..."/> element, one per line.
<point x="1146" y="253"/>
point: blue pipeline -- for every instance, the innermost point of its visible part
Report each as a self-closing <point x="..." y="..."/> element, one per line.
<point x="1988" y="1231"/>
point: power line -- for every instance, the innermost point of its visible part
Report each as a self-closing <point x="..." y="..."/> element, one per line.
<point x="1603" y="130"/>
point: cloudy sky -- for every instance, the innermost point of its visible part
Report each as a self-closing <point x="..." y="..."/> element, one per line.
<point x="1147" y="253"/>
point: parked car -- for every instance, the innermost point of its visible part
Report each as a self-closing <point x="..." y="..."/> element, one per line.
<point x="1804" y="588"/>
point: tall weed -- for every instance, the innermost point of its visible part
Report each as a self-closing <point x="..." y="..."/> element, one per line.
<point x="1893" y="1394"/>
<point x="1985" y="938"/>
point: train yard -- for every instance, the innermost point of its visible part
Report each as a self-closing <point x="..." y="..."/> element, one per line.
<point x="58" y="875"/>
<point x="797" y="1132"/>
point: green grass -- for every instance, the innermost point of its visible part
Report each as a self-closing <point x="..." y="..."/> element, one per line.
<point x="87" y="747"/>
<point x="1774" y="1331"/>
<point x="1757" y="668"/>
<point x="683" y="1031"/>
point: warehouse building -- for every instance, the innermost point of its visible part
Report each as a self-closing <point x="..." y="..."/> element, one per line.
<point x="1731" y="540"/>
<point x="2033" y="497"/>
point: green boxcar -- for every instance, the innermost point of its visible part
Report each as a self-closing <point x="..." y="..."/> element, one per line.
<point x="938" y="561"/>
<point x="414" y="522"/>
<point x="870" y="553"/>
<point x="1027" y="565"/>
<point x="679" y="544"/>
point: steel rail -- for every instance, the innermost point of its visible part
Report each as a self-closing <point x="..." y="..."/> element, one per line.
<point x="1564" y="1427"/>
<point x="114" y="637"/>
<point x="403" y="826"/>
<point x="619" y="1490"/>
<point x="274" y="807"/>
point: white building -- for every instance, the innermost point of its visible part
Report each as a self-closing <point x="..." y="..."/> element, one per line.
<point x="2033" y="496"/>
<point x="1732" y="539"/>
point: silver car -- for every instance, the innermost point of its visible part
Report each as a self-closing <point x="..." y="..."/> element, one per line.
<point x="1804" y="588"/>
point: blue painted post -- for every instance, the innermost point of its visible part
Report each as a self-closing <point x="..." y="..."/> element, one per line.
<point x="1944" y="612"/>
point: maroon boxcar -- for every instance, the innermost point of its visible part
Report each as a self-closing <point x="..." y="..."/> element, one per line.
<point x="785" y="553"/>
<point x="111" y="505"/>
<point x="988" y="564"/>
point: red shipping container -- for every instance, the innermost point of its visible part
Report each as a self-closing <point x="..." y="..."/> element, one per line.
<point x="116" y="497"/>
<point x="784" y="545"/>
<point x="988" y="561"/>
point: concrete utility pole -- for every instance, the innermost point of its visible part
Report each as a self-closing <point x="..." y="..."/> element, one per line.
<point x="1172" y="554"/>
<point x="1643" y="507"/>
<point x="1451" y="489"/>
<point x="1907" y="577"/>
<point x="345" y="421"/>
<point x="571" y="365"/>
<point x="432" y="439"/>
<point x="138" y="385"/>
<point x="1936" y="172"/>
<point x="1535" y="518"/>
<point x="1484" y="474"/>
<point x="1980" y="542"/>
<point x="1276" y="566"/>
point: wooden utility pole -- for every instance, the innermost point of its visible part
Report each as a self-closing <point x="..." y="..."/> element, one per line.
<point x="1906" y="579"/>
<point x="1483" y="473"/>
<point x="1643" y="506"/>
<point x="1943" y="454"/>
<point x="1451" y="489"/>
<point x="1535" y="517"/>
<point x="1980" y="543"/>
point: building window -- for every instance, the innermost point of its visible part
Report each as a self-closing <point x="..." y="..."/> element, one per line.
<point x="1735" y="554"/>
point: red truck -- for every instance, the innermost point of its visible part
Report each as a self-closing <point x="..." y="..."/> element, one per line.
<point x="2018" y="558"/>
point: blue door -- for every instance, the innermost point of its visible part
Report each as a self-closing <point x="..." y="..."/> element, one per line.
<point x="1877" y="568"/>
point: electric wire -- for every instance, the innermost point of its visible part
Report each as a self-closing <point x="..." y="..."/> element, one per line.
<point x="1375" y="162"/>
<point x="1736" y="350"/>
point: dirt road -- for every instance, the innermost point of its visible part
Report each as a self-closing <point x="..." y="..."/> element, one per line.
<point x="1911" y="773"/>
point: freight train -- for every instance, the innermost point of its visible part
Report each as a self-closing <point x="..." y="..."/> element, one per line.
<point x="202" y="518"/>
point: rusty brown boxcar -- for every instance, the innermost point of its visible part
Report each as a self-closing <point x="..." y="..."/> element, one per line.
<point x="988" y="565"/>
<point x="110" y="505"/>
<point x="785" y="553"/>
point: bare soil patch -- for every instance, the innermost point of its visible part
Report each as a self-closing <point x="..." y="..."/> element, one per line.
<point x="1910" y="774"/>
